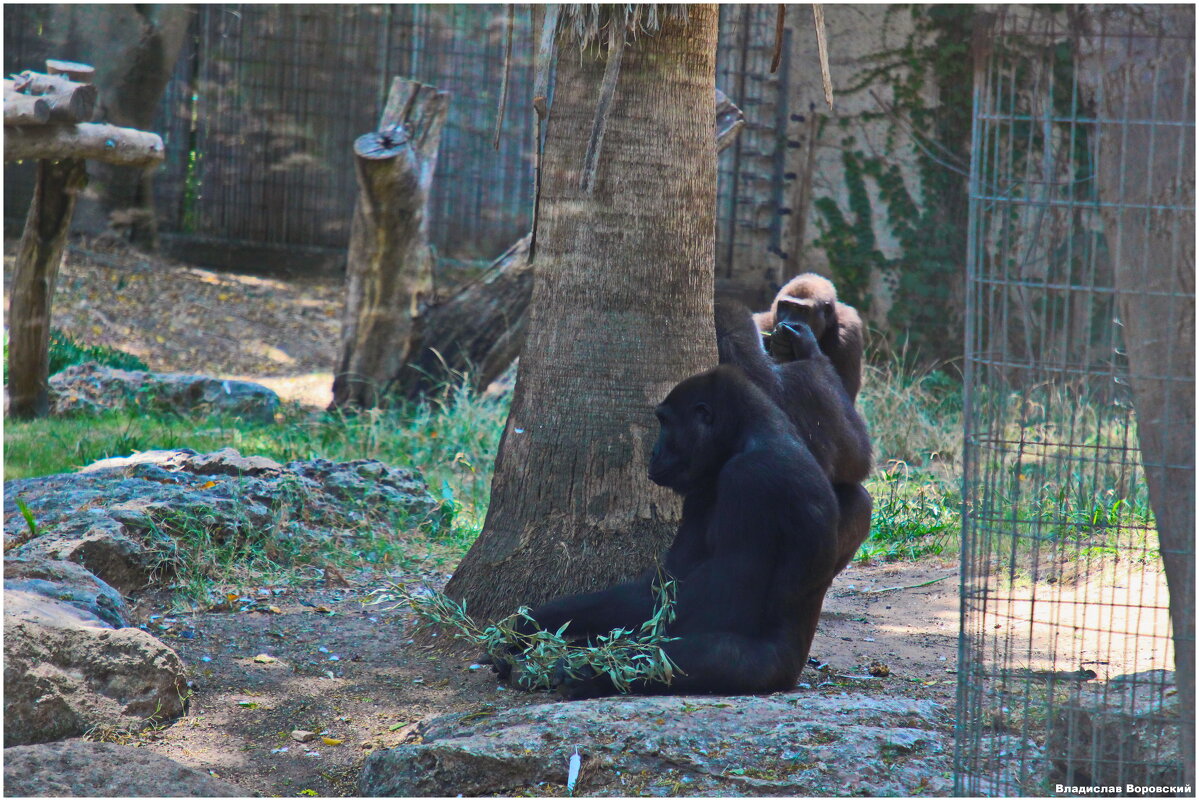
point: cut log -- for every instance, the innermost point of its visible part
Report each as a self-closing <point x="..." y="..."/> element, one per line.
<point x="88" y="140"/>
<point x="34" y="275"/>
<point x="83" y="73"/>
<point x="389" y="264"/>
<point x="22" y="109"/>
<point x="477" y="332"/>
<point x="70" y="102"/>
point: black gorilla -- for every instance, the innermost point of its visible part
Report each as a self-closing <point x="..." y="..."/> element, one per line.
<point x="755" y="553"/>
<point x="811" y="393"/>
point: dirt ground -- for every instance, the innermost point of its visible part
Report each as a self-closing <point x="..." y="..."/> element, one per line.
<point x="327" y="664"/>
<point x="180" y="318"/>
<point x="351" y="673"/>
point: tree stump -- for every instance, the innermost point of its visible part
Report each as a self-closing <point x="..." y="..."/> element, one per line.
<point x="389" y="264"/>
<point x="34" y="276"/>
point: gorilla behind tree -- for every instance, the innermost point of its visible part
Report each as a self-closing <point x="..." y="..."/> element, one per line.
<point x="812" y="396"/>
<point x="812" y="299"/>
<point x="752" y="559"/>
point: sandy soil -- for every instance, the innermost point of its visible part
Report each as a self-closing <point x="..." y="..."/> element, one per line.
<point x="180" y="318"/>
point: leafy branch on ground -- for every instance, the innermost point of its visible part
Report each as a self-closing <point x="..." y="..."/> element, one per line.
<point x="538" y="657"/>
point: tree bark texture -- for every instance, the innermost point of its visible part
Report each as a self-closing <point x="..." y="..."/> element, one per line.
<point x="480" y="330"/>
<point x="617" y="273"/>
<point x="1146" y="180"/>
<point x="34" y="275"/>
<point x="389" y="265"/>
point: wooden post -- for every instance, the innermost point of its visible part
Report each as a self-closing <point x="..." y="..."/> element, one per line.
<point x="389" y="264"/>
<point x="31" y="100"/>
<point x="34" y="276"/>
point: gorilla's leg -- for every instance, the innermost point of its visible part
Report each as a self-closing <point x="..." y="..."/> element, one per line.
<point x="723" y="663"/>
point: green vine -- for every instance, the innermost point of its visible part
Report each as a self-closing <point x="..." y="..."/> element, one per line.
<point x="932" y="231"/>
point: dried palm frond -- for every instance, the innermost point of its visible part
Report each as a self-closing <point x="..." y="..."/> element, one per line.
<point x="587" y="24"/>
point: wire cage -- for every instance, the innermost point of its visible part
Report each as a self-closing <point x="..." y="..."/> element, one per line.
<point x="1079" y="406"/>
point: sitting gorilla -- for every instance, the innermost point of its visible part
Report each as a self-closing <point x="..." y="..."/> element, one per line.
<point x="752" y="559"/>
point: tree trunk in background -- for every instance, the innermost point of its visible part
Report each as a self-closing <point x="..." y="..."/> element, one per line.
<point x="134" y="49"/>
<point x="389" y="267"/>
<point x="34" y="275"/>
<point x="621" y="312"/>
<point x="1143" y="77"/>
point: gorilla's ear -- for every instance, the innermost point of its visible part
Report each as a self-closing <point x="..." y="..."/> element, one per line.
<point x="704" y="412"/>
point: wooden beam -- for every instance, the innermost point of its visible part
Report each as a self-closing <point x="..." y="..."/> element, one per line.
<point x="22" y="109"/>
<point x="87" y="140"/>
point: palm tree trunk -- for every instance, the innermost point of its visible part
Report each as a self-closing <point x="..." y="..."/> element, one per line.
<point x="621" y="311"/>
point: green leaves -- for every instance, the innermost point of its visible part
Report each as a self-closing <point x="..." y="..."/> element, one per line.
<point x="538" y="658"/>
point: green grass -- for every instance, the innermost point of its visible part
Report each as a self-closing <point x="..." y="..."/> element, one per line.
<point x="914" y="415"/>
<point x="452" y="440"/>
<point x="915" y="419"/>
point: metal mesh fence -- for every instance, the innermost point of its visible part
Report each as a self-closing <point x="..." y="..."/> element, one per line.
<point x="1067" y="659"/>
<point x="282" y="92"/>
<point x="752" y="173"/>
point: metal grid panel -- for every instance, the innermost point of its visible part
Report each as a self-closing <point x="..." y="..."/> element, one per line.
<point x="1066" y="657"/>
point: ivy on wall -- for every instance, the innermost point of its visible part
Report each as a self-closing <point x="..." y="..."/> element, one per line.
<point x="928" y="220"/>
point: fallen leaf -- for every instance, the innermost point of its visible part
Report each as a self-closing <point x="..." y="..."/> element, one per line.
<point x="331" y="741"/>
<point x="265" y="659"/>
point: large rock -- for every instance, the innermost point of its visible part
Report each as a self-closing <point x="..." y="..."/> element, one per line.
<point x="40" y="587"/>
<point x="104" y="770"/>
<point x="109" y="517"/>
<point x="91" y="387"/>
<point x="66" y="671"/>
<point x="800" y="744"/>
